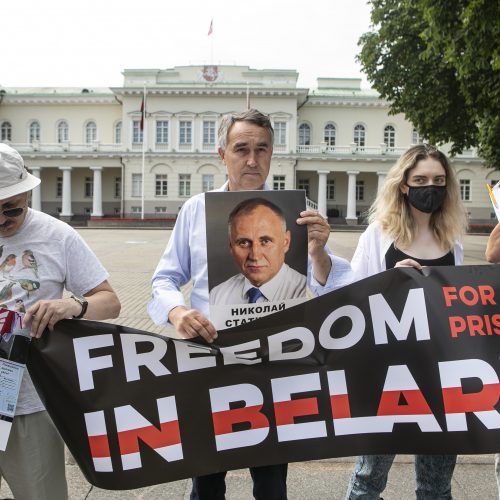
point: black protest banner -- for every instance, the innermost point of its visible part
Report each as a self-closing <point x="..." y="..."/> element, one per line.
<point x="402" y="362"/>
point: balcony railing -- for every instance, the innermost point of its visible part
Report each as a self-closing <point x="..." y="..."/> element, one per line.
<point x="67" y="147"/>
<point x="280" y="148"/>
<point x="353" y="149"/>
<point x="313" y="149"/>
<point x="311" y="205"/>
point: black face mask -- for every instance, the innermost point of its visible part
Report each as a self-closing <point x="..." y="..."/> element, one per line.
<point x="428" y="199"/>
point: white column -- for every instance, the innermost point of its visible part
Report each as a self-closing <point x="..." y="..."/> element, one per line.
<point x="97" y="198"/>
<point x="36" y="197"/>
<point x="381" y="179"/>
<point x="322" y="191"/>
<point x="66" y="192"/>
<point x="351" y="198"/>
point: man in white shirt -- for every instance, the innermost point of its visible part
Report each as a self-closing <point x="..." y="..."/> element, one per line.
<point x="258" y="241"/>
<point x="245" y="147"/>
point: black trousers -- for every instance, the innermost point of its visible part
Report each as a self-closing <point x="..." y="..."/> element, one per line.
<point x="269" y="483"/>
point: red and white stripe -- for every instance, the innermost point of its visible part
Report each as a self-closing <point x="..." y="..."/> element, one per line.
<point x="98" y="441"/>
<point x="481" y="404"/>
<point x="132" y="426"/>
<point x="286" y="409"/>
<point x="399" y="381"/>
<point x="224" y="418"/>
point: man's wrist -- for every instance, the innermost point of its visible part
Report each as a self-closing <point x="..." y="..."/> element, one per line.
<point x="83" y="303"/>
<point x="174" y="314"/>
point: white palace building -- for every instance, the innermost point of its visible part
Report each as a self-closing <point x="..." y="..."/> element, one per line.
<point x="336" y="142"/>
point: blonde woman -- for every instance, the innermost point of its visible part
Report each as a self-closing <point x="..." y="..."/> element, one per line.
<point x="417" y="220"/>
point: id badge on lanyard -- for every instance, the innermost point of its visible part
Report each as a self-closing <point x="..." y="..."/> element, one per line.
<point x="14" y="345"/>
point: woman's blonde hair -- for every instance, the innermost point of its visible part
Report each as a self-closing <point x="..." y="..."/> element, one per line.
<point x="392" y="209"/>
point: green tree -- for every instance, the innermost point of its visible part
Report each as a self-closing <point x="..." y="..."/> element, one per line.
<point x="438" y="62"/>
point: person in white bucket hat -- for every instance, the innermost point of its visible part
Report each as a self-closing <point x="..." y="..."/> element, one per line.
<point x="40" y="257"/>
<point x="16" y="183"/>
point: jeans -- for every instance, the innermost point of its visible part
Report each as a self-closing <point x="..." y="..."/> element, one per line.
<point x="433" y="476"/>
<point x="269" y="483"/>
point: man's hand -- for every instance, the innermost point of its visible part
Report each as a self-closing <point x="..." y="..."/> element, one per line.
<point x="46" y="313"/>
<point x="318" y="231"/>
<point x="191" y="323"/>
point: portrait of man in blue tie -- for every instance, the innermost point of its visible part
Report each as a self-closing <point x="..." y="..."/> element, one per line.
<point x="258" y="242"/>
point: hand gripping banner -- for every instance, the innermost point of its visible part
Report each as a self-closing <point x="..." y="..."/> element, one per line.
<point x="401" y="362"/>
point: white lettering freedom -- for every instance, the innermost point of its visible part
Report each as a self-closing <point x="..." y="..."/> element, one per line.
<point x="190" y="356"/>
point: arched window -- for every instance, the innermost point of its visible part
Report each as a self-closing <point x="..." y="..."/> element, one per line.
<point x="359" y="136"/>
<point x="390" y="136"/>
<point x="118" y="133"/>
<point x="330" y="133"/>
<point x="6" y="131"/>
<point x="90" y="132"/>
<point x="34" y="131"/>
<point x="304" y="134"/>
<point x="62" y="131"/>
<point x="415" y="136"/>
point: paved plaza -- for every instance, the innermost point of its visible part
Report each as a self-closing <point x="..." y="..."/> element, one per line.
<point x="131" y="257"/>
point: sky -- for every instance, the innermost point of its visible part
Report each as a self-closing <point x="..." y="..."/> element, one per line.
<point x="58" y="43"/>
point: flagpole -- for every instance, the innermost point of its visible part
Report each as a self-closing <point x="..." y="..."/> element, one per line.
<point x="248" y="97"/>
<point x="144" y="134"/>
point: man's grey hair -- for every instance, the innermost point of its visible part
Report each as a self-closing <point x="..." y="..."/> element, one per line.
<point x="246" y="207"/>
<point x="249" y="116"/>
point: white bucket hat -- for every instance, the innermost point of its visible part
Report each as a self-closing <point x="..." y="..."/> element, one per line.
<point x="14" y="178"/>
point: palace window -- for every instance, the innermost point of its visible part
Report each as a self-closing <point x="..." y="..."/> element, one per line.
<point x="209" y="133"/>
<point x="34" y="131"/>
<point x="6" y="131"/>
<point x="278" y="182"/>
<point x="280" y="133"/>
<point x="207" y="182"/>
<point x="304" y="134"/>
<point x="89" y="187"/>
<point x="390" y="137"/>
<point x="330" y="189"/>
<point x="117" y="187"/>
<point x="62" y="132"/>
<point x="118" y="133"/>
<point x="59" y="187"/>
<point x="415" y="136"/>
<point x="330" y="133"/>
<point x="360" y="190"/>
<point x="136" y="184"/>
<point x="162" y="132"/>
<point x="137" y="133"/>
<point x="465" y="189"/>
<point x="90" y="132"/>
<point x="161" y="184"/>
<point x="184" y="185"/>
<point x="359" y="136"/>
<point x="185" y="132"/>
<point x="303" y="184"/>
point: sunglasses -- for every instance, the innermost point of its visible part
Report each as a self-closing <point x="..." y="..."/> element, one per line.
<point x="13" y="212"/>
